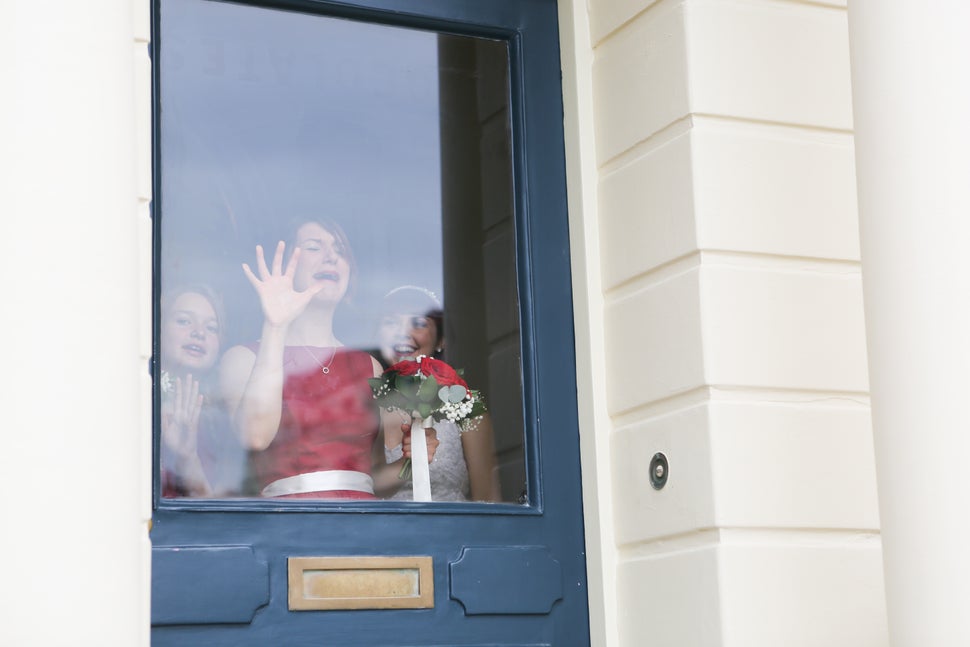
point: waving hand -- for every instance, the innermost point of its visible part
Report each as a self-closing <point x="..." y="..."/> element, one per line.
<point x="281" y="302"/>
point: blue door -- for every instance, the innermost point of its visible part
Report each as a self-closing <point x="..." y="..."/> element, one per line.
<point x="412" y="152"/>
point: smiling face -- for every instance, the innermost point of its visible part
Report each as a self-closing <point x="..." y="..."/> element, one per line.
<point x="190" y="335"/>
<point x="407" y="336"/>
<point x="324" y="258"/>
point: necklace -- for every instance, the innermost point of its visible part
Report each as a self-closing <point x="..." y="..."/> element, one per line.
<point x="323" y="369"/>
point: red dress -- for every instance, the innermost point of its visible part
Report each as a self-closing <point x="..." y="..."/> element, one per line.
<point x="329" y="421"/>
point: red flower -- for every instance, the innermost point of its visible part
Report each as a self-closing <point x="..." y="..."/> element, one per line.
<point x="406" y="367"/>
<point x="443" y="374"/>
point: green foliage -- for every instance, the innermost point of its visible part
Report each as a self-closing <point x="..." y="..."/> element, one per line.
<point x="420" y="394"/>
<point x="428" y="391"/>
<point x="407" y="384"/>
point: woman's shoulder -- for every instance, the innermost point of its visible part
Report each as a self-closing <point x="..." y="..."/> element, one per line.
<point x="361" y="361"/>
<point x="378" y="357"/>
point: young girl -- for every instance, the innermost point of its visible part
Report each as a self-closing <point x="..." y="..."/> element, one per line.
<point x="298" y="398"/>
<point x="199" y="455"/>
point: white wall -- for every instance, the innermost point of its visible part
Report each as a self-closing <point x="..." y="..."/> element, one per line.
<point x="75" y="247"/>
<point x="716" y="250"/>
<point x="912" y="97"/>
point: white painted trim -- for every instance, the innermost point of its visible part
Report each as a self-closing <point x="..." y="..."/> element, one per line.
<point x="76" y="250"/>
<point x="911" y="95"/>
<point x="594" y="421"/>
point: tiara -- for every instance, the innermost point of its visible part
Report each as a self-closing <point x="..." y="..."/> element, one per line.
<point x="425" y="291"/>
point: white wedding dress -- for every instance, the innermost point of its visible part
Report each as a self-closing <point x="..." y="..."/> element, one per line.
<point x="449" y="473"/>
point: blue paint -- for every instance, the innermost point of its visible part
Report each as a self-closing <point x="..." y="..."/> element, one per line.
<point x="512" y="580"/>
<point x="550" y="527"/>
<point x="205" y="585"/>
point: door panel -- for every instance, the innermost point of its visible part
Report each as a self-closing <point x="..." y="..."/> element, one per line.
<point x="199" y="585"/>
<point x="506" y="573"/>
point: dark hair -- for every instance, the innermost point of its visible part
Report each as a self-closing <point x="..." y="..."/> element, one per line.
<point x="335" y="230"/>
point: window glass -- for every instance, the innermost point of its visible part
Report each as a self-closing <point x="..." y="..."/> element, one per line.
<point x="334" y="197"/>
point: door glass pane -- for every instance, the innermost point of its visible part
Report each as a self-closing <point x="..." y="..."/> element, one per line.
<point x="371" y="165"/>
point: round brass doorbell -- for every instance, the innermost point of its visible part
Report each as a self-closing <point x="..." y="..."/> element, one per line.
<point x="659" y="470"/>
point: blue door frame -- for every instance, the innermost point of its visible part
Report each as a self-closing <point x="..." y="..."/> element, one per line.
<point x="503" y="574"/>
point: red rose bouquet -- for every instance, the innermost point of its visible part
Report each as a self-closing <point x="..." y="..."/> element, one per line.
<point x="431" y="390"/>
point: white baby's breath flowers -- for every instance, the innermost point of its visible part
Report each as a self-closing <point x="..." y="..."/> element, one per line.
<point x="458" y="412"/>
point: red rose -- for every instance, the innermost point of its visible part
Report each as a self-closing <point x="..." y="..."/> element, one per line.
<point x="406" y="367"/>
<point x="443" y="374"/>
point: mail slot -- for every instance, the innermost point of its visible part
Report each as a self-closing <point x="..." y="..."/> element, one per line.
<point x="320" y="583"/>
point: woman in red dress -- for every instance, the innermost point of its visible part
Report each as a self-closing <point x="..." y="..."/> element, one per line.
<point x="299" y="399"/>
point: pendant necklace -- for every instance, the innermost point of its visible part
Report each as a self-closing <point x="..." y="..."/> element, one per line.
<point x="323" y="369"/>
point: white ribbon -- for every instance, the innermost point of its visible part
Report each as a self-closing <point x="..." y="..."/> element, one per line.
<point x="323" y="481"/>
<point x="420" y="475"/>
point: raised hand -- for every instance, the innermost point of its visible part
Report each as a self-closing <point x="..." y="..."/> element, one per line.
<point x="280" y="301"/>
<point x="180" y="438"/>
<point x="180" y="418"/>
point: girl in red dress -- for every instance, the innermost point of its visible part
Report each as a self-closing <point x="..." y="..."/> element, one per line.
<point x="299" y="399"/>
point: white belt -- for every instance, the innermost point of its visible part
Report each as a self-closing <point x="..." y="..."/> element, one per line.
<point x="324" y="481"/>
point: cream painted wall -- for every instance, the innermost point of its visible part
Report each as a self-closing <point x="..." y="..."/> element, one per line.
<point x="912" y="96"/>
<point x="75" y="246"/>
<point x="719" y="320"/>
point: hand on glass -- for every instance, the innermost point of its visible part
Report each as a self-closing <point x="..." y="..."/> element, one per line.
<point x="280" y="300"/>
<point x="180" y="418"/>
<point x="430" y="435"/>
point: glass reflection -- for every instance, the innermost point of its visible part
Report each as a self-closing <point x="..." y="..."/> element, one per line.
<point x="199" y="455"/>
<point x="343" y="191"/>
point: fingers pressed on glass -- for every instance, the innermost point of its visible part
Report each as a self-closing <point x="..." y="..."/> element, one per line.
<point x="261" y="263"/>
<point x="291" y="264"/>
<point x="278" y="258"/>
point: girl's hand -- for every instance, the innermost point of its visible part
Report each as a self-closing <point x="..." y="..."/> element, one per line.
<point x="180" y="418"/>
<point x="180" y="437"/>
<point x="280" y="301"/>
<point x="430" y="435"/>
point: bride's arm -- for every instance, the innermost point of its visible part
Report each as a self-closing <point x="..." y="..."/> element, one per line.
<point x="478" y="446"/>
